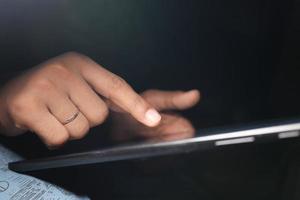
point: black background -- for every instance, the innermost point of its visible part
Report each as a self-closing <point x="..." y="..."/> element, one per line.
<point x="242" y="55"/>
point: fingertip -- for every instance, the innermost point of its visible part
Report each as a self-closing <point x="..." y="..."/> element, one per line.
<point x="152" y="117"/>
<point x="193" y="94"/>
<point x="187" y="99"/>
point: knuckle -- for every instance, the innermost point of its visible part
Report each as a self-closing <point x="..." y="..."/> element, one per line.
<point x="72" y="54"/>
<point x="75" y="55"/>
<point x="42" y="84"/>
<point x="62" y="71"/>
<point x="19" y="106"/>
<point x="117" y="83"/>
<point x="80" y="131"/>
<point x="57" y="140"/>
<point x="99" y="117"/>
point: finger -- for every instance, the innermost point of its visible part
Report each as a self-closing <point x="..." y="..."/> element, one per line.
<point x="168" y="100"/>
<point x="64" y="109"/>
<point x="88" y="102"/>
<point x="10" y="129"/>
<point x="119" y="92"/>
<point x="46" y="126"/>
<point x="170" y="124"/>
<point x="78" y="128"/>
<point x="173" y="127"/>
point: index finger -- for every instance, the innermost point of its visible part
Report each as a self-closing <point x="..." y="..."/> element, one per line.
<point x="119" y="92"/>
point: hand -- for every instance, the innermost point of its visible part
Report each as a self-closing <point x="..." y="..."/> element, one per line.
<point x="65" y="96"/>
<point x="171" y="127"/>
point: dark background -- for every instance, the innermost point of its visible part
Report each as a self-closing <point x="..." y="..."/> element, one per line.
<point x="242" y="55"/>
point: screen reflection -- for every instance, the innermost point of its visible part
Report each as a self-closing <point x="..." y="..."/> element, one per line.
<point x="173" y="126"/>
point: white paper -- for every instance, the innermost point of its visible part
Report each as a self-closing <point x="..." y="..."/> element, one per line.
<point x="15" y="186"/>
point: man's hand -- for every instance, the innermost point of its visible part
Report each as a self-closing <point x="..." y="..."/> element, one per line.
<point x="65" y="96"/>
<point x="172" y="126"/>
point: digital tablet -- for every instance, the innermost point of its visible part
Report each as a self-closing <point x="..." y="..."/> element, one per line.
<point x="204" y="139"/>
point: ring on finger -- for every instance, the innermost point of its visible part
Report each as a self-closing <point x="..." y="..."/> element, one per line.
<point x="72" y="118"/>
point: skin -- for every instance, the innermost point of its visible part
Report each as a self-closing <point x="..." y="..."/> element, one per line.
<point x="172" y="125"/>
<point x="42" y="99"/>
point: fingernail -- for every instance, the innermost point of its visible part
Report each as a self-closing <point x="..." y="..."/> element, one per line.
<point x="152" y="117"/>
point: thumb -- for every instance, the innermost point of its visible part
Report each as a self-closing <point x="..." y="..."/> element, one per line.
<point x="171" y="100"/>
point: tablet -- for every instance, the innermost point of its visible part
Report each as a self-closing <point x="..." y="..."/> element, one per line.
<point x="204" y="139"/>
